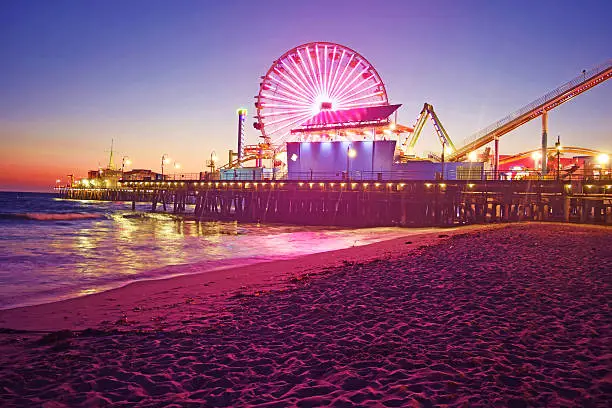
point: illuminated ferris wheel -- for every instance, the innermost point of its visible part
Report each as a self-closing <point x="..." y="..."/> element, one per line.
<point x="310" y="78"/>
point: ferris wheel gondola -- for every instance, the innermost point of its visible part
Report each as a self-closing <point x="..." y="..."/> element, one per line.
<point x="310" y="78"/>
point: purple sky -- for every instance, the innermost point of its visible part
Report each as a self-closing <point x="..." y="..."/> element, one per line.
<point x="167" y="76"/>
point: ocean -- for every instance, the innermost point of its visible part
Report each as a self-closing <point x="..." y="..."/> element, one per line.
<point x="53" y="249"/>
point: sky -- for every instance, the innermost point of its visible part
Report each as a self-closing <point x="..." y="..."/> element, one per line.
<point x="166" y="77"/>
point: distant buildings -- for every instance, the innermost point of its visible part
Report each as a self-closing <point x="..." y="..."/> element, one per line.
<point x="109" y="178"/>
<point x="143" y="175"/>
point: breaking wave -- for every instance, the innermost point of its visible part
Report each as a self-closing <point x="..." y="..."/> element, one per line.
<point x="51" y="216"/>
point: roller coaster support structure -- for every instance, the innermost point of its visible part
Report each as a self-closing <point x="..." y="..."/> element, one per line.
<point x="544" y="141"/>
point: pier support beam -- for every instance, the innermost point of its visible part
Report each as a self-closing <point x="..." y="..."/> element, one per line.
<point x="496" y="159"/>
<point x="566" y="209"/>
<point x="544" y="141"/>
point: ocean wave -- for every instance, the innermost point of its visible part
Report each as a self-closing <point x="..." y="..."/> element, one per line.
<point x="51" y="216"/>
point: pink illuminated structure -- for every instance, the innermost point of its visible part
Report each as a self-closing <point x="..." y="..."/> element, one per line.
<point x="349" y="118"/>
<point x="311" y="78"/>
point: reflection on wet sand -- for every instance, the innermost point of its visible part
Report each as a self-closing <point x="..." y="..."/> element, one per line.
<point x="87" y="256"/>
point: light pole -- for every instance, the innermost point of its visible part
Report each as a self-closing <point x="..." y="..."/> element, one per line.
<point x="177" y="166"/>
<point x="350" y="153"/>
<point x="164" y="160"/>
<point x="125" y="161"/>
<point x="443" y="151"/>
<point x="558" y="149"/>
<point x="536" y="156"/>
<point x="213" y="159"/>
<point x="603" y="159"/>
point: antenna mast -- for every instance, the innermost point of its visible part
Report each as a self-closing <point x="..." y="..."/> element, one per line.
<point x="111" y="165"/>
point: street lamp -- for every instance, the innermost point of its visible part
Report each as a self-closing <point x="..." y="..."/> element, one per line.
<point x="603" y="159"/>
<point x="213" y="160"/>
<point x="536" y="156"/>
<point x="164" y="160"/>
<point x="558" y="149"/>
<point x="350" y="153"/>
<point x="125" y="161"/>
<point x="177" y="167"/>
<point x="443" y="151"/>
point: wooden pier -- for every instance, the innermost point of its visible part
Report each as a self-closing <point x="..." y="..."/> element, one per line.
<point x="367" y="204"/>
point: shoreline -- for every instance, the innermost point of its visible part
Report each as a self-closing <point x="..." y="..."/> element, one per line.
<point x="203" y="290"/>
<point x="158" y="273"/>
<point x="97" y="255"/>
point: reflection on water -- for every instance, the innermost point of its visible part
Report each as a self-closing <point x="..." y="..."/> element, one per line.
<point x="48" y="260"/>
<point x="89" y="291"/>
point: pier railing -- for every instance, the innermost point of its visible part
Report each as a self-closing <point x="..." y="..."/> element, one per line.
<point x="172" y="177"/>
<point x="451" y="174"/>
<point x="464" y="173"/>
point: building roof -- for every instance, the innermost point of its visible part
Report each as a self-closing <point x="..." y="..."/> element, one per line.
<point x="356" y="117"/>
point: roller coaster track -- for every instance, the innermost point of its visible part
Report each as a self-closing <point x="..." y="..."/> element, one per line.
<point x="551" y="151"/>
<point x="237" y="162"/>
<point x="551" y="100"/>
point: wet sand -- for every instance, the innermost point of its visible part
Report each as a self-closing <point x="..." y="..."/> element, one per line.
<point x="515" y="315"/>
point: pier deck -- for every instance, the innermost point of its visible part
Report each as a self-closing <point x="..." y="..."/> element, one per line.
<point x="366" y="204"/>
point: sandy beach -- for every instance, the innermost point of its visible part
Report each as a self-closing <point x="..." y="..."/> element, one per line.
<point x="502" y="315"/>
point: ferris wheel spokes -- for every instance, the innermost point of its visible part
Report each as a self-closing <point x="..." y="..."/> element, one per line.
<point x="301" y="78"/>
<point x="289" y="74"/>
<point x="305" y="115"/>
<point x="283" y="135"/>
<point x="343" y="79"/>
<point x="347" y="86"/>
<point x="333" y="84"/>
<point x="344" y="96"/>
<point x="286" y="90"/>
<point x="308" y="70"/>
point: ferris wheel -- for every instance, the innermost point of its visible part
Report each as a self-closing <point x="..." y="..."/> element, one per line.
<point x="310" y="78"/>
